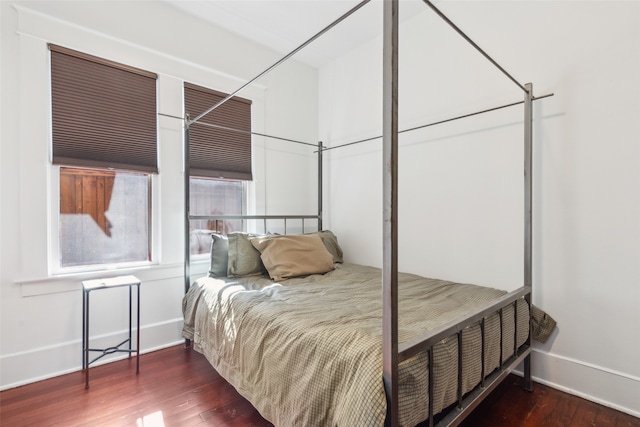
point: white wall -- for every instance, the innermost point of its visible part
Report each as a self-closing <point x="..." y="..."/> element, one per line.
<point x="461" y="183"/>
<point x="41" y="313"/>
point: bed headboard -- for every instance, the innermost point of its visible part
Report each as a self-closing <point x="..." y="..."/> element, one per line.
<point x="200" y="239"/>
<point x="282" y="224"/>
<point x="224" y="224"/>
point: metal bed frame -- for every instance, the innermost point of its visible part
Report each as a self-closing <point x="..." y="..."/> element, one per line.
<point x="394" y="352"/>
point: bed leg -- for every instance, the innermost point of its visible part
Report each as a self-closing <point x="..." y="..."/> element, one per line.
<point x="527" y="373"/>
<point x="187" y="344"/>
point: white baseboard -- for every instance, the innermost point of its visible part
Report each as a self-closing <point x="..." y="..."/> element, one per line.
<point x="41" y="363"/>
<point x="601" y="385"/>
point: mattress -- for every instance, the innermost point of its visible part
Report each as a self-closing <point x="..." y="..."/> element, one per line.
<point x="308" y="351"/>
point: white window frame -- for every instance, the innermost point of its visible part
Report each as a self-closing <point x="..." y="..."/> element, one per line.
<point x="55" y="269"/>
<point x="245" y="198"/>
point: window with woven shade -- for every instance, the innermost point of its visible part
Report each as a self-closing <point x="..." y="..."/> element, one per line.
<point x="220" y="142"/>
<point x="220" y="160"/>
<point x="103" y="113"/>
<point x="104" y="145"/>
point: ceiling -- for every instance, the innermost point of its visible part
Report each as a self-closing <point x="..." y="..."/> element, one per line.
<point x="283" y="25"/>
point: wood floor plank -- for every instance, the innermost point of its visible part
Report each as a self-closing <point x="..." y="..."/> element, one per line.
<point x="565" y="410"/>
<point x="178" y="387"/>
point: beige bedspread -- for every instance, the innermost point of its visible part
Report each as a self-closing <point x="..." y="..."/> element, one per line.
<point x="307" y="351"/>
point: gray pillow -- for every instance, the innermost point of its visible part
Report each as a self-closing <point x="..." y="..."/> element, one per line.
<point x="219" y="255"/>
<point x="331" y="243"/>
<point x="244" y="259"/>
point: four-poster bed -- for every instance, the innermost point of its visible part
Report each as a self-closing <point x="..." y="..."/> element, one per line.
<point x="478" y="343"/>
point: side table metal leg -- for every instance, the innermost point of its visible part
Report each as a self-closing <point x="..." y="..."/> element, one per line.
<point x="86" y="339"/>
<point x="130" y="321"/>
<point x="84" y="325"/>
<point x="138" y="332"/>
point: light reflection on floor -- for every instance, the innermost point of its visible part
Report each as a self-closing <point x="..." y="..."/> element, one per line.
<point x="152" y="420"/>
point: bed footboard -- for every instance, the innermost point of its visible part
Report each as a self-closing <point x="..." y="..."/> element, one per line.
<point x="489" y="381"/>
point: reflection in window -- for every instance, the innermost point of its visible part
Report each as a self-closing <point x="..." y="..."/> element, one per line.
<point x="104" y="217"/>
<point x="213" y="197"/>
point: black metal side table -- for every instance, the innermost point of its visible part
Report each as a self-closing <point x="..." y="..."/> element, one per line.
<point x="97" y="284"/>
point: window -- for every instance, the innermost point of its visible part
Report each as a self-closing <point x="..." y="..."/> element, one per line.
<point x="104" y="217"/>
<point x="104" y="144"/>
<point x="210" y="196"/>
<point x="220" y="142"/>
<point x="220" y="162"/>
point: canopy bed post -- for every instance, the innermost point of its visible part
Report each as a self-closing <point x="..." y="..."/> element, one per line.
<point x="187" y="243"/>
<point x="390" y="209"/>
<point x="320" y="188"/>
<point x="528" y="220"/>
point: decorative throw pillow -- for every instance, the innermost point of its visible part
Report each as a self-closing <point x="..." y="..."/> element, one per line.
<point x="244" y="259"/>
<point x="219" y="255"/>
<point x="293" y="255"/>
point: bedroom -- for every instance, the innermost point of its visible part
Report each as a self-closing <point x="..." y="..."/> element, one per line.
<point x="587" y="230"/>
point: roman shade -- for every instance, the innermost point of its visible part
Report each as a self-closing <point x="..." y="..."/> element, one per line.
<point x="220" y="142"/>
<point x="103" y="113"/>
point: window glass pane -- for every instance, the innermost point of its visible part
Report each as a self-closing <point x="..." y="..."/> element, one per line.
<point x="213" y="197"/>
<point x="104" y="217"/>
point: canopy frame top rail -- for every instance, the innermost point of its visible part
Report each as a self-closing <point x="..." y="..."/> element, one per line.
<point x="439" y="122"/>
<point x="295" y="141"/>
<point x="283" y="59"/>
<point x="257" y="134"/>
<point x="437" y="11"/>
<point x="475" y="45"/>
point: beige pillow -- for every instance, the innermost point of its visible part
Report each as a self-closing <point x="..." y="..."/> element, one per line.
<point x="293" y="255"/>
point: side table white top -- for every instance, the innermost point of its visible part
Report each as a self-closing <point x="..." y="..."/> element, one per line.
<point x="110" y="282"/>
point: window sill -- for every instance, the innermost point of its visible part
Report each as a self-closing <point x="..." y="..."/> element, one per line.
<point x="71" y="282"/>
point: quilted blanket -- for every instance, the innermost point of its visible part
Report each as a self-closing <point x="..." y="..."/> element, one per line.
<point x="307" y="351"/>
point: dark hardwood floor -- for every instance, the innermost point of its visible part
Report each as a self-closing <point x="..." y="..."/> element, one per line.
<point x="178" y="387"/>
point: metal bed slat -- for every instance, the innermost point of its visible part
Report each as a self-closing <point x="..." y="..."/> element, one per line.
<point x="459" y="392"/>
<point x="501" y="338"/>
<point x="515" y="327"/>
<point x="431" y="387"/>
<point x="482" y="355"/>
